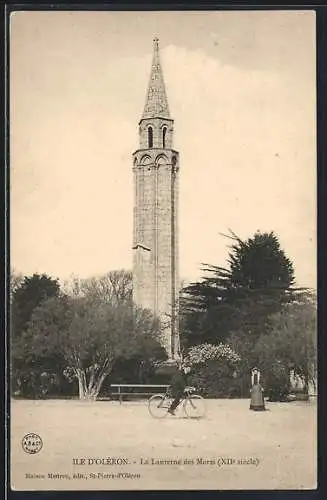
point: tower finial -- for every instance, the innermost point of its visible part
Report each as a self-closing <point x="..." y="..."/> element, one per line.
<point x="156" y="43"/>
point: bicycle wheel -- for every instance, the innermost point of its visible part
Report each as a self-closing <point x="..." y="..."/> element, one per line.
<point x="195" y="406"/>
<point x="158" y="405"/>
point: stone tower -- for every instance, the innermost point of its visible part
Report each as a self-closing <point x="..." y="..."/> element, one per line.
<point x="155" y="238"/>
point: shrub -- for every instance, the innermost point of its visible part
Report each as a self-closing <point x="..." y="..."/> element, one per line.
<point x="213" y="369"/>
<point x="206" y="352"/>
<point x="35" y="383"/>
<point x="277" y="382"/>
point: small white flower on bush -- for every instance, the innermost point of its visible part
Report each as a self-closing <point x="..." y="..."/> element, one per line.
<point x="207" y="352"/>
<point x="69" y="373"/>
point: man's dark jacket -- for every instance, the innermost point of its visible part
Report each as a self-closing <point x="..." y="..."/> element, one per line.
<point x="178" y="382"/>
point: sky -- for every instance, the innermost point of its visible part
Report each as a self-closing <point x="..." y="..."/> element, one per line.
<point x="241" y="89"/>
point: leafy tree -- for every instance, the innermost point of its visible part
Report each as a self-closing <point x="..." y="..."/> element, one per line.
<point x="291" y="345"/>
<point x="30" y="293"/>
<point x="258" y="280"/>
<point x="90" y="335"/>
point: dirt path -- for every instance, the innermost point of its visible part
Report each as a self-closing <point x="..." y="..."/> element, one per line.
<point x="233" y="448"/>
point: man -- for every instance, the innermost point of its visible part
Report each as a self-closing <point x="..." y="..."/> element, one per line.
<point x="177" y="386"/>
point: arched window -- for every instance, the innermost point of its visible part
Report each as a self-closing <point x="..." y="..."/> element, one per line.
<point x="164" y="130"/>
<point x="150" y="137"/>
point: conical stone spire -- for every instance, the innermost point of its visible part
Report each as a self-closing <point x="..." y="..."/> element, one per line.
<point x="156" y="105"/>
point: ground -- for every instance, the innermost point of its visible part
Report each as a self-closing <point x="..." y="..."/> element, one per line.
<point x="279" y="446"/>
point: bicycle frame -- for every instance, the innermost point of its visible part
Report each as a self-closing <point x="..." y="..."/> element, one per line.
<point x="164" y="401"/>
<point x="168" y="396"/>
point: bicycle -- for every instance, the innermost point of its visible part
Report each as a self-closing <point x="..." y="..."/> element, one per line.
<point x="193" y="404"/>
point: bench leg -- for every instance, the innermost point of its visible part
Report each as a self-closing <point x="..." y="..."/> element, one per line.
<point x="120" y="396"/>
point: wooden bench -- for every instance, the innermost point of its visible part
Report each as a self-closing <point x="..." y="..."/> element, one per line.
<point x="121" y="393"/>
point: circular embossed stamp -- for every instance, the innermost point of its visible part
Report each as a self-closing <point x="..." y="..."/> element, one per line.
<point x="32" y="443"/>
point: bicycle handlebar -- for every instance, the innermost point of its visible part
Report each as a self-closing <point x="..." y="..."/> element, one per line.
<point x="189" y="389"/>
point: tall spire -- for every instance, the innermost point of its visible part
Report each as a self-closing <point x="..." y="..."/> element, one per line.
<point x="156" y="101"/>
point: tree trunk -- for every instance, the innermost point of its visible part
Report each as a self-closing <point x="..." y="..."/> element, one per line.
<point x="84" y="393"/>
<point x="81" y="388"/>
<point x="89" y="392"/>
<point x="97" y="385"/>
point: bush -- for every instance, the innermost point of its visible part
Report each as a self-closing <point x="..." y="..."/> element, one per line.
<point x="277" y="382"/>
<point x="213" y="370"/>
<point x="206" y="352"/>
<point x="35" y="383"/>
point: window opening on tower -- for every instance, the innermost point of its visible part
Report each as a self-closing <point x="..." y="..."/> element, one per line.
<point x="150" y="137"/>
<point x="164" y="130"/>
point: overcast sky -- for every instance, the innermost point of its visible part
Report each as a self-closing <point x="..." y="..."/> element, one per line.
<point x="241" y="89"/>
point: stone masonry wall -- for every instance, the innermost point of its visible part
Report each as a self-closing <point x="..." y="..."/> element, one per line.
<point x="155" y="260"/>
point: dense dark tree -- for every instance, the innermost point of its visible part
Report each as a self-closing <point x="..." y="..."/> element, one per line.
<point x="258" y="280"/>
<point x="28" y="295"/>
<point x="16" y="280"/>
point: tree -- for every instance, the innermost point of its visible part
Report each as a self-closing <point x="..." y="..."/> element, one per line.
<point x="27" y="293"/>
<point x="27" y="296"/>
<point x="259" y="263"/>
<point x="258" y="280"/>
<point x="291" y="344"/>
<point x="16" y="280"/>
<point x="89" y="334"/>
<point x="114" y="287"/>
<point x="149" y="352"/>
